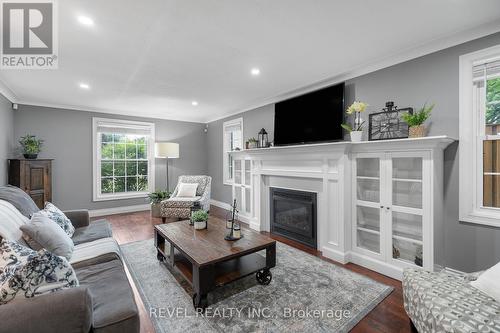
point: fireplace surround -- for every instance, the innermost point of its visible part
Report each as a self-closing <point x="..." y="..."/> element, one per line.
<point x="293" y="215"/>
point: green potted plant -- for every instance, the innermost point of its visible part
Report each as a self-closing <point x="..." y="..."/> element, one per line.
<point x="355" y="131"/>
<point x="31" y="146"/>
<point x="252" y="143"/>
<point x="155" y="198"/>
<point x="200" y="219"/>
<point x="416" y="121"/>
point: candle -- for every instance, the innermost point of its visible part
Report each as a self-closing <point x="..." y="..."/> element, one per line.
<point x="237" y="232"/>
<point x="228" y="224"/>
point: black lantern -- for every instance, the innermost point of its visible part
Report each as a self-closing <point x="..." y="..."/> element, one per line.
<point x="263" y="141"/>
<point x="234" y="231"/>
<point x="195" y="207"/>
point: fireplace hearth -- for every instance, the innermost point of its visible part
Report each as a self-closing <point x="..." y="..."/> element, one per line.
<point x="293" y="215"/>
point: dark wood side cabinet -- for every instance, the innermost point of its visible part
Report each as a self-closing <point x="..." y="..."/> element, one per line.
<point x="34" y="177"/>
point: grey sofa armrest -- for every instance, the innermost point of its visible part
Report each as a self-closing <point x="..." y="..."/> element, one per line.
<point x="68" y="310"/>
<point x="79" y="218"/>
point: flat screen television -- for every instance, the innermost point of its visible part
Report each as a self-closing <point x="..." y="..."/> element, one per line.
<point x="310" y="118"/>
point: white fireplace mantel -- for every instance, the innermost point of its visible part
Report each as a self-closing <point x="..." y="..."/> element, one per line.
<point x="324" y="168"/>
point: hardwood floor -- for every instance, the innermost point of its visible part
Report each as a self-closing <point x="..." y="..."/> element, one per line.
<point x="388" y="316"/>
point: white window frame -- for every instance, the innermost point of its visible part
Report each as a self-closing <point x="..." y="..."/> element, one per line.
<point x="96" y="158"/>
<point x="226" y="173"/>
<point x="471" y="128"/>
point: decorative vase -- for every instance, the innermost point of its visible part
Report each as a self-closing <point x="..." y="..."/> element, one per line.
<point x="417" y="131"/>
<point x="200" y="225"/>
<point x="155" y="210"/>
<point x="356" y="136"/>
<point x="30" y="156"/>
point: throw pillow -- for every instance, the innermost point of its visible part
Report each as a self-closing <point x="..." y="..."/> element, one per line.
<point x="42" y="232"/>
<point x="187" y="190"/>
<point x="489" y="282"/>
<point x="27" y="273"/>
<point x="56" y="215"/>
<point x="19" y="199"/>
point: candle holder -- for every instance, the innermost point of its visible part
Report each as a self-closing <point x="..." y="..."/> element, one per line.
<point x="234" y="233"/>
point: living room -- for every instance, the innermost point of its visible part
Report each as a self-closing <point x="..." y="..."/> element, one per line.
<point x="227" y="166"/>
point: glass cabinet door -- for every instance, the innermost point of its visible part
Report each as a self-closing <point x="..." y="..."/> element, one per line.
<point x="407" y="223"/>
<point x="367" y="210"/>
<point x="237" y="171"/>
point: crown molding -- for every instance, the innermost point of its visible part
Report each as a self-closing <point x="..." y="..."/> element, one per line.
<point x="100" y="110"/>
<point x="7" y="92"/>
<point x="438" y="44"/>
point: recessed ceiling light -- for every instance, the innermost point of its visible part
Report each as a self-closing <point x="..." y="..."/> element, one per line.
<point x="194" y="103"/>
<point x="84" y="86"/>
<point x="85" y="20"/>
<point x="255" y="71"/>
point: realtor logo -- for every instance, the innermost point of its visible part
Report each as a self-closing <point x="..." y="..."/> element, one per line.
<point x="29" y="34"/>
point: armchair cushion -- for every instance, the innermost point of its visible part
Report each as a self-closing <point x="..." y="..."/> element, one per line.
<point x="187" y="190"/>
<point x="180" y="202"/>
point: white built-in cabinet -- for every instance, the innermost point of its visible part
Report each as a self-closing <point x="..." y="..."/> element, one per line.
<point x="391" y="211"/>
<point x="242" y="185"/>
<point x="379" y="202"/>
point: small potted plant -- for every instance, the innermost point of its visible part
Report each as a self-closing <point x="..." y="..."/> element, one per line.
<point x="155" y="198"/>
<point x="416" y="121"/>
<point x="252" y="143"/>
<point x="200" y="219"/>
<point x="355" y="131"/>
<point x="31" y="146"/>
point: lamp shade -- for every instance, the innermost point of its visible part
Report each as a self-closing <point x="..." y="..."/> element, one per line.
<point x="166" y="150"/>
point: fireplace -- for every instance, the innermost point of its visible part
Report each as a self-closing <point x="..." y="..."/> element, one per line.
<point x="293" y="215"/>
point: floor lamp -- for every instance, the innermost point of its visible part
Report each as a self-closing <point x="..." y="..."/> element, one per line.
<point x="167" y="150"/>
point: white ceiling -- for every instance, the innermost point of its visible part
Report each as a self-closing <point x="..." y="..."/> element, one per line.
<point x="153" y="58"/>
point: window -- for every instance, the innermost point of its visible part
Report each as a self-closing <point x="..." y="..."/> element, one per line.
<point x="480" y="137"/>
<point x="232" y="132"/>
<point x="123" y="159"/>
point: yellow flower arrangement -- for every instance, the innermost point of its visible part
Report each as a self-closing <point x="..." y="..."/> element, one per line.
<point x="356" y="107"/>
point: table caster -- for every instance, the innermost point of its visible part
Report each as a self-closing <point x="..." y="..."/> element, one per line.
<point x="264" y="277"/>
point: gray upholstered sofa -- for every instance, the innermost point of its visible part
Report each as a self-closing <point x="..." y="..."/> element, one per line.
<point x="446" y="302"/>
<point x="180" y="207"/>
<point x="103" y="302"/>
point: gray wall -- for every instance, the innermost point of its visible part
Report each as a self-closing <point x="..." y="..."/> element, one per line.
<point x="432" y="78"/>
<point x="68" y="139"/>
<point x="6" y="136"/>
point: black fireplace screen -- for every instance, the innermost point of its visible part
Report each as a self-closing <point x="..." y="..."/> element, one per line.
<point x="293" y="215"/>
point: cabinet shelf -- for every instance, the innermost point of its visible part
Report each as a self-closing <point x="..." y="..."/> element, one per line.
<point x="368" y="229"/>
<point x="408" y="180"/>
<point x="367" y="177"/>
<point x="407" y="239"/>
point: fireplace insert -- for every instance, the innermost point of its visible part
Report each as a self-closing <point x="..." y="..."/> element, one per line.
<point x="293" y="215"/>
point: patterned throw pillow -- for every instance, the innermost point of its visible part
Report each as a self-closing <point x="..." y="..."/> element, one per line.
<point x="56" y="215"/>
<point x="27" y="273"/>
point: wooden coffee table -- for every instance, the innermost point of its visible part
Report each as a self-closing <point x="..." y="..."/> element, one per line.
<point x="207" y="261"/>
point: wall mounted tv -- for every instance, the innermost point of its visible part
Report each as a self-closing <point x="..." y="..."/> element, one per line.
<point x="310" y="118"/>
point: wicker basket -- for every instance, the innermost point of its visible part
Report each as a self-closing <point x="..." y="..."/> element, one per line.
<point x="417" y="131"/>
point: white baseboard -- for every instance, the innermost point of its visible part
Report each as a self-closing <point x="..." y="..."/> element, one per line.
<point x="336" y="255"/>
<point x="220" y="204"/>
<point x="119" y="210"/>
<point x="377" y="266"/>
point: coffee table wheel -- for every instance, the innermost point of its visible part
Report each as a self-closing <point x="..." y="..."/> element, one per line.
<point x="200" y="302"/>
<point x="264" y="277"/>
<point x="159" y="256"/>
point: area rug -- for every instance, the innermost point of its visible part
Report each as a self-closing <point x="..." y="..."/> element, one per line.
<point x="306" y="294"/>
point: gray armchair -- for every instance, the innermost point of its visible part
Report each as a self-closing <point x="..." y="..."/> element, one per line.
<point x="180" y="207"/>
